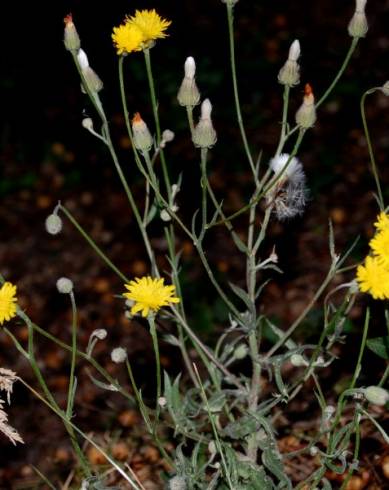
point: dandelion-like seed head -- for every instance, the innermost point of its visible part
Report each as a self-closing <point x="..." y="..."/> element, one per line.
<point x="373" y="278"/>
<point x="7" y="302"/>
<point x="151" y="25"/>
<point x="127" y="38"/>
<point x="149" y="295"/>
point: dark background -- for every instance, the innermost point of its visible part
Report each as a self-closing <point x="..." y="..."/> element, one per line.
<point x="46" y="156"/>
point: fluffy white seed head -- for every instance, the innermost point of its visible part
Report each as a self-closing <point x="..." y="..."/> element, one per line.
<point x="64" y="285"/>
<point x="53" y="224"/>
<point x="119" y="355"/>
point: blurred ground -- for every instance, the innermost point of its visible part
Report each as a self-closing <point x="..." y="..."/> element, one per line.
<point x="46" y="156"/>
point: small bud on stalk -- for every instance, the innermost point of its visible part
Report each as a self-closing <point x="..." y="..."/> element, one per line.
<point x="143" y="140"/>
<point x="92" y="80"/>
<point x="64" y="285"/>
<point x="290" y="73"/>
<point x="306" y="115"/>
<point x="119" y="355"/>
<point x="53" y="224"/>
<point x="204" y="134"/>
<point x="376" y="395"/>
<point x="385" y="88"/>
<point x="188" y="94"/>
<point x="358" y="26"/>
<point x="71" y="37"/>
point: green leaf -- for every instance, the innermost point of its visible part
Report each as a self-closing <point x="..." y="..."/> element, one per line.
<point x="380" y="346"/>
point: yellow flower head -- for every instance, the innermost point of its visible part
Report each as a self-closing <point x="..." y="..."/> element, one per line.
<point x="7" y="302"/>
<point x="149" y="294"/>
<point x="151" y="24"/>
<point x="127" y="38"/>
<point x="380" y="247"/>
<point x="382" y="222"/>
<point x="373" y="278"/>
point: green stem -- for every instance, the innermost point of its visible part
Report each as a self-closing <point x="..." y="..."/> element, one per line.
<point x="189" y="112"/>
<point x="92" y="243"/>
<point x="230" y="18"/>
<point x="153" y="333"/>
<point x="350" y="52"/>
<point x="154" y="103"/>
<point x="71" y="390"/>
<point x="203" y="184"/>
<point x="370" y="147"/>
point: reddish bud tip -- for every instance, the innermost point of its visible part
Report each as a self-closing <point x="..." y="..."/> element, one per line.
<point x="137" y="118"/>
<point x="308" y="90"/>
<point x="68" y="19"/>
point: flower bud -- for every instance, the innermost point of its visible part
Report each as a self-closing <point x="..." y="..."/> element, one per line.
<point x="162" y="401"/>
<point x="71" y="37"/>
<point x="142" y="138"/>
<point x="177" y="483"/>
<point x="298" y="360"/>
<point x="376" y="395"/>
<point x="87" y="123"/>
<point x="167" y="137"/>
<point x="92" y="80"/>
<point x="385" y="88"/>
<point x="204" y="135"/>
<point x="64" y="285"/>
<point x="306" y="114"/>
<point x="358" y="24"/>
<point x="240" y="352"/>
<point x="290" y="73"/>
<point x="99" y="333"/>
<point x="53" y="224"/>
<point x="188" y="94"/>
<point x="119" y="355"/>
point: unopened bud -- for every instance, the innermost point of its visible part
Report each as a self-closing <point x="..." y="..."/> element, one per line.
<point x="143" y="140"/>
<point x="87" y="123"/>
<point x="164" y="214"/>
<point x="358" y="26"/>
<point x="241" y="351"/>
<point x="204" y="134"/>
<point x="376" y="395"/>
<point x="64" y="285"/>
<point x="100" y="333"/>
<point x="188" y="94"/>
<point x="385" y="88"/>
<point x="71" y="37"/>
<point x="298" y="360"/>
<point x="92" y="80"/>
<point x="119" y="355"/>
<point x="167" y="137"/>
<point x="162" y="401"/>
<point x="290" y="73"/>
<point x="53" y="224"/>
<point x="306" y="114"/>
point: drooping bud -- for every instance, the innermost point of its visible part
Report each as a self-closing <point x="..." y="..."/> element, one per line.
<point x="71" y="37"/>
<point x="53" y="224"/>
<point x="167" y="137"/>
<point x="92" y="80"/>
<point x="204" y="134"/>
<point x="290" y="73"/>
<point x="143" y="140"/>
<point x="358" y="26"/>
<point x="376" y="395"/>
<point x="306" y="114"/>
<point x="298" y="360"/>
<point x="240" y="352"/>
<point x="119" y="355"/>
<point x="188" y="94"/>
<point x="64" y="285"/>
<point x="385" y="88"/>
<point x="87" y="123"/>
